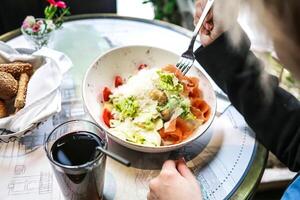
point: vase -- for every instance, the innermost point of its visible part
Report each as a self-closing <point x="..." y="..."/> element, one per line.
<point x="39" y="35"/>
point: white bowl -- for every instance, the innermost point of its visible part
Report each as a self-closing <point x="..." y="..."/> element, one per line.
<point x="124" y="61"/>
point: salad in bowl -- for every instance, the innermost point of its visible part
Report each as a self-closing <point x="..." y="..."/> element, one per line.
<point x="143" y="102"/>
<point x="154" y="107"/>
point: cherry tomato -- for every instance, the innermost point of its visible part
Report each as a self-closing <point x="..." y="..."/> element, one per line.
<point x="142" y="66"/>
<point x="118" y="81"/>
<point x="107" y="116"/>
<point x="106" y="93"/>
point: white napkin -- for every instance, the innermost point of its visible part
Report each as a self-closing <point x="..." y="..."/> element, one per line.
<point x="43" y="95"/>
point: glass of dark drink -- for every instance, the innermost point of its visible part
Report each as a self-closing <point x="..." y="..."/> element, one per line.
<point x="78" y="166"/>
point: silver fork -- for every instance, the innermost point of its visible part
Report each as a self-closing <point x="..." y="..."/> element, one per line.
<point x="187" y="59"/>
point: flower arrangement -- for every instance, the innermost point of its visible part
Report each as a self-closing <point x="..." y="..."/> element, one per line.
<point x="33" y="26"/>
<point x="54" y="14"/>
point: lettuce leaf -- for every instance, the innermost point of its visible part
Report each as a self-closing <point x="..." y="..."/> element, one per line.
<point x="127" y="107"/>
<point x="169" y="82"/>
<point x="178" y="103"/>
<point x="186" y="107"/>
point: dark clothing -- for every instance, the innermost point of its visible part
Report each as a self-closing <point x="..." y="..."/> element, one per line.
<point x="273" y="113"/>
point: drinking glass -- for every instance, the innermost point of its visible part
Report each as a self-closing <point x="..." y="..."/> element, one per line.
<point x="84" y="180"/>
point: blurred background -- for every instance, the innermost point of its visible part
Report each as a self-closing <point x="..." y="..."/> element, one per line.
<point x="179" y="12"/>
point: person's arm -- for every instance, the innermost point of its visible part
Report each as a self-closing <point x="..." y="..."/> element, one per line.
<point x="270" y="111"/>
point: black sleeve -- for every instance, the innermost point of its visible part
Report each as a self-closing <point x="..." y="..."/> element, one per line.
<point x="270" y="111"/>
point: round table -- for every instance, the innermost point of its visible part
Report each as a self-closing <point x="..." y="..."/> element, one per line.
<point x="227" y="160"/>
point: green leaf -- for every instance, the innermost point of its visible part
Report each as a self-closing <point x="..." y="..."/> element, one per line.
<point x="169" y="8"/>
<point x="169" y="82"/>
<point x="50" y="12"/>
<point x="127" y="107"/>
<point x="158" y="14"/>
<point x="186" y="114"/>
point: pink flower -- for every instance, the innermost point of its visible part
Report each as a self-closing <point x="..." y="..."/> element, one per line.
<point x="40" y="22"/>
<point x="61" y="4"/>
<point x="52" y="2"/>
<point x="25" y="25"/>
<point x="30" y="20"/>
<point x="36" y="28"/>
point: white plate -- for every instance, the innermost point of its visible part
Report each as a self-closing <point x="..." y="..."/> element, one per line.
<point x="124" y="61"/>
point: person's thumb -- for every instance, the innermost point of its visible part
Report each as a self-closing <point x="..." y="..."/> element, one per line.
<point x="184" y="170"/>
<point x="169" y="165"/>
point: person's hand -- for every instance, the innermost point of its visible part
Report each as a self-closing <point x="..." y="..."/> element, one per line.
<point x="218" y="20"/>
<point x="210" y="30"/>
<point x="175" y="182"/>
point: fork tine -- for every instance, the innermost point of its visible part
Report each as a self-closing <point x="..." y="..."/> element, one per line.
<point x="180" y="63"/>
<point x="188" y="67"/>
<point x="183" y="64"/>
<point x="186" y="63"/>
<point x="191" y="64"/>
<point x="184" y="71"/>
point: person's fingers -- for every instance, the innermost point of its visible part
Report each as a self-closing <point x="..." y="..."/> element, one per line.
<point x="207" y="21"/>
<point x="196" y="19"/>
<point x="209" y="16"/>
<point x="153" y="184"/>
<point x="151" y="196"/>
<point x="184" y="170"/>
<point x="198" y="9"/>
<point x="204" y="31"/>
<point x="210" y="25"/>
<point x="199" y="6"/>
<point x="206" y="39"/>
<point x="148" y="196"/>
<point x="153" y="187"/>
<point x="169" y="165"/>
<point x="197" y="14"/>
<point x="202" y="3"/>
<point x="207" y="26"/>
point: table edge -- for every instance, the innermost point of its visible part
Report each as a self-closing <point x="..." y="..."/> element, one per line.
<point x="255" y="172"/>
